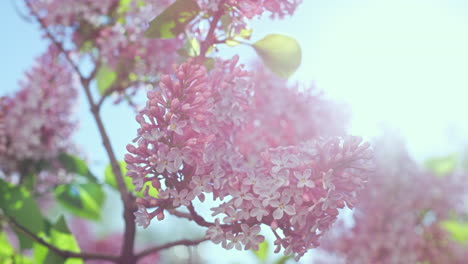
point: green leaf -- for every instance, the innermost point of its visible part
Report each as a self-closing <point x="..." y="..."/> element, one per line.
<point x="83" y="200"/>
<point x="226" y="21"/>
<point x="232" y="42"/>
<point x="262" y="251"/>
<point x="209" y="63"/>
<point x="8" y="254"/>
<point x="110" y="179"/>
<point x="124" y="6"/>
<point x="280" y="53"/>
<point x="245" y="33"/>
<point x="441" y="166"/>
<point x="193" y="47"/>
<point x="6" y="250"/>
<point x="60" y="236"/>
<point x="172" y="21"/>
<point x="76" y="165"/>
<point x="87" y="46"/>
<point x="459" y="230"/>
<point x="17" y="203"/>
<point x="105" y="77"/>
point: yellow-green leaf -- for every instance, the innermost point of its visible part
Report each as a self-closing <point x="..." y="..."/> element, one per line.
<point x="110" y="179"/>
<point x="60" y="236"/>
<point x="441" y="166"/>
<point x="459" y="230"/>
<point x="16" y="202"/>
<point x="280" y="53"/>
<point x="172" y="21"/>
<point x="245" y="33"/>
<point x="105" y="77"/>
<point x="193" y="47"/>
<point x="262" y="251"/>
<point x="232" y="43"/>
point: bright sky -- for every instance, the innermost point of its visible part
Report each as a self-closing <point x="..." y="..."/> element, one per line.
<point x="403" y="63"/>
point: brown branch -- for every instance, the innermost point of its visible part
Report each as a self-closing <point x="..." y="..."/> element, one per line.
<point x="127" y="252"/>
<point x="181" y="214"/>
<point x="183" y="242"/>
<point x="210" y="38"/>
<point x="198" y="218"/>
<point x="106" y="94"/>
<point x="61" y="252"/>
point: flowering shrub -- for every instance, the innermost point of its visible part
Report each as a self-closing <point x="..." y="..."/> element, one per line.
<point x="37" y="121"/>
<point x="402" y="213"/>
<point x="187" y="146"/>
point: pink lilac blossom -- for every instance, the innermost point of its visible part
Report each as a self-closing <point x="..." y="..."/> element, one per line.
<point x="234" y="14"/>
<point x="72" y="12"/>
<point x="270" y="125"/>
<point x="252" y="8"/>
<point x="124" y="48"/>
<point x="112" y="35"/>
<point x="198" y="117"/>
<point x="3" y="134"/>
<point x="38" y="118"/>
<point x="398" y="217"/>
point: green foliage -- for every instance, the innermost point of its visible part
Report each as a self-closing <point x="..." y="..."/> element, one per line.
<point x="105" y="77"/>
<point x="84" y="200"/>
<point x="74" y="164"/>
<point x="262" y="251"/>
<point x="233" y="39"/>
<point x="5" y="248"/>
<point x="8" y="254"/>
<point x="18" y="204"/>
<point x="441" y="166"/>
<point x="262" y="254"/>
<point x="280" y="53"/>
<point x="124" y="6"/>
<point x="110" y="179"/>
<point x="458" y="230"/>
<point x="172" y="21"/>
<point x="60" y="236"/>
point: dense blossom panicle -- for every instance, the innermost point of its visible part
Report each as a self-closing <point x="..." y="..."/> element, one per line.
<point x="72" y="12"/>
<point x="124" y="48"/>
<point x="252" y="8"/>
<point x="37" y="120"/>
<point x="308" y="115"/>
<point x="398" y="217"/>
<point x="111" y="32"/>
<point x="3" y="133"/>
<point x="194" y="139"/>
<point x="234" y="15"/>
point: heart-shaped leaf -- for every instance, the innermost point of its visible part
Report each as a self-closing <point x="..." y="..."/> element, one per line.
<point x="280" y="53"/>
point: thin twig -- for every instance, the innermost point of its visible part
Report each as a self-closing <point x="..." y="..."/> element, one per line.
<point x="210" y="38"/>
<point x="127" y="252"/>
<point x="198" y="218"/>
<point x="183" y="242"/>
<point x="180" y="214"/>
<point x="61" y="252"/>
